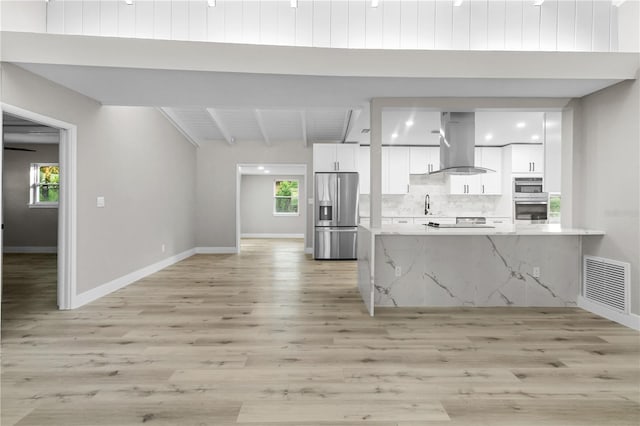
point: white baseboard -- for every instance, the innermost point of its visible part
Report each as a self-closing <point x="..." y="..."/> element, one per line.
<point x="30" y="249"/>
<point x="118" y="283"/>
<point x="216" y="250"/>
<point x="628" y="320"/>
<point x="271" y="235"/>
<point x="308" y="250"/>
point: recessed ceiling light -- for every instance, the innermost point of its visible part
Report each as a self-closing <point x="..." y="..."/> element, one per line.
<point x="394" y="135"/>
<point x="260" y="167"/>
<point x="488" y="136"/>
<point x="129" y="2"/>
<point x="457" y="3"/>
<point x="538" y="2"/>
<point x="374" y="3"/>
<point x="535" y="137"/>
<point x="294" y="3"/>
<point x="267" y="171"/>
<point x="211" y="3"/>
<point x="409" y="123"/>
<point x="618" y="3"/>
<point x="521" y="125"/>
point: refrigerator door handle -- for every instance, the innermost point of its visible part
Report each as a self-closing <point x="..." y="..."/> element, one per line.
<point x="338" y="200"/>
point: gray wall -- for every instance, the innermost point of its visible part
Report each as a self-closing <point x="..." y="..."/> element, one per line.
<point x="133" y="157"/>
<point x="217" y="185"/>
<point x="24" y="226"/>
<point x="607" y="191"/>
<point x="256" y="207"/>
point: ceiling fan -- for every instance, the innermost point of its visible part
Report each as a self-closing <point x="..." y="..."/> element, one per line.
<point x="12" y="148"/>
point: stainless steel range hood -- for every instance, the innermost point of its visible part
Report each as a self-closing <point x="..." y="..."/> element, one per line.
<point x="457" y="144"/>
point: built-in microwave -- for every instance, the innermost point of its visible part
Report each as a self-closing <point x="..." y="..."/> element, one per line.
<point x="526" y="186"/>
<point x="530" y="211"/>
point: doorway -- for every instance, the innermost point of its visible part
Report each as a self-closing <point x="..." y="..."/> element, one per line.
<point x="49" y="182"/>
<point x="270" y="202"/>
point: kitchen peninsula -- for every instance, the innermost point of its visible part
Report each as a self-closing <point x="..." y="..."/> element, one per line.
<point x="506" y="265"/>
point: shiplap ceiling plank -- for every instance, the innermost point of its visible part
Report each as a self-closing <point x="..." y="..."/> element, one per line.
<point x="304" y="23"/>
<point x="478" y="26"/>
<point x="268" y="21"/>
<point x="126" y="19"/>
<point x="513" y="25"/>
<point x="391" y="25"/>
<point x="251" y="23"/>
<point x="373" y="26"/>
<point x="197" y="20"/>
<point x="409" y="24"/>
<point x="73" y="17"/>
<point x="584" y="25"/>
<point x="530" y="26"/>
<point x="495" y="24"/>
<point x="426" y="24"/>
<point x="108" y="18"/>
<point x="144" y="19"/>
<point x="215" y="22"/>
<point x="339" y="24"/>
<point x="162" y="19"/>
<point x="357" y="25"/>
<point x="461" y="17"/>
<point x="303" y="125"/>
<point x="286" y="24"/>
<point x="218" y="120"/>
<point x="55" y="17"/>
<point x="91" y="17"/>
<point x="261" y="126"/>
<point x="444" y="21"/>
<point x="179" y="20"/>
<point x="232" y="20"/>
<point x="566" y="25"/>
<point x="321" y="24"/>
<point x="549" y="25"/>
<point x="601" y="22"/>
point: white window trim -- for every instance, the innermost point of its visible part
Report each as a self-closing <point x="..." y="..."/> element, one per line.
<point x="33" y="188"/>
<point x="275" y="213"/>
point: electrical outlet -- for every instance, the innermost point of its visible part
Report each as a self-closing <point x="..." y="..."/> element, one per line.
<point x="163" y="248"/>
<point x="100" y="202"/>
<point x="398" y="271"/>
<point x="536" y="272"/>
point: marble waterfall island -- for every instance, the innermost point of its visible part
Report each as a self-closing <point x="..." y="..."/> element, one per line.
<point x="414" y="265"/>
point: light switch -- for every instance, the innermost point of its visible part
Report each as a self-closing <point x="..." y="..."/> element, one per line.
<point x="100" y="202"/>
<point x="310" y="201"/>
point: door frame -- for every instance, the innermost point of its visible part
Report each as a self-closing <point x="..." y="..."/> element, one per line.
<point x="239" y="190"/>
<point x="67" y="223"/>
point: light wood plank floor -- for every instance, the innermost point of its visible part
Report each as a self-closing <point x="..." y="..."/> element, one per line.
<point x="272" y="337"/>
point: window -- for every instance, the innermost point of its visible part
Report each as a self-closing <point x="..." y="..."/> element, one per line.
<point x="554" y="207"/>
<point x="285" y="197"/>
<point x="45" y="185"/>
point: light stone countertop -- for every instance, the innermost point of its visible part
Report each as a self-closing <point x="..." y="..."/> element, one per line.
<point x="547" y="229"/>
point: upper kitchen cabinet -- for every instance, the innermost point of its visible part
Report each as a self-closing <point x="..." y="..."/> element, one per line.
<point x="489" y="183"/>
<point x="335" y="157"/>
<point x="424" y="159"/>
<point x="395" y="170"/>
<point x="527" y="158"/>
<point x="507" y="127"/>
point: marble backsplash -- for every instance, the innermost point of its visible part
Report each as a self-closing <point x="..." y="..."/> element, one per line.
<point x="442" y="203"/>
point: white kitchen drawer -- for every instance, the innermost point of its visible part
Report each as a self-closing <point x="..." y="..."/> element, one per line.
<point x="402" y="221"/>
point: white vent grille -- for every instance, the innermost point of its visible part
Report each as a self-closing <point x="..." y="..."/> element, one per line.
<point x="606" y="282"/>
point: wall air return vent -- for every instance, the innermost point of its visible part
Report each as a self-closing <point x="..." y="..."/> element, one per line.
<point x="606" y="282"/>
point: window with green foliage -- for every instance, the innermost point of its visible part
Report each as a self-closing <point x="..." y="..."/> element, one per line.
<point x="45" y="184"/>
<point x="285" y="197"/>
<point x="554" y="207"/>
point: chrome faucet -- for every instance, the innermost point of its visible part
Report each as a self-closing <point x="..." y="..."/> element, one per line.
<point x="427" y="204"/>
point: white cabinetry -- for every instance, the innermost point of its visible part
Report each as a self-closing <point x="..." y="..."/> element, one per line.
<point x="527" y="159"/>
<point x="424" y="159"/>
<point x="395" y="170"/>
<point x="489" y="183"/>
<point x="335" y="157"/>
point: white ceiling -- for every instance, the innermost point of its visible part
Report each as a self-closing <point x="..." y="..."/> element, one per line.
<point x="273" y="169"/>
<point x="239" y="107"/>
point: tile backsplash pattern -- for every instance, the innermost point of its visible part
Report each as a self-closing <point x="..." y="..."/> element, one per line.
<point x="442" y="203"/>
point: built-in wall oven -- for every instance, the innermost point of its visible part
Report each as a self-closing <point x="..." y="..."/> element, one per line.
<point x="530" y="202"/>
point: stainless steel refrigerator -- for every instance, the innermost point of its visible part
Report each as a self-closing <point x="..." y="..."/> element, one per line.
<point x="336" y="215"/>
